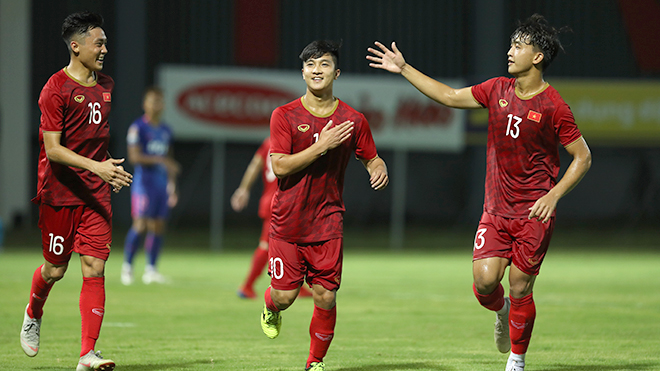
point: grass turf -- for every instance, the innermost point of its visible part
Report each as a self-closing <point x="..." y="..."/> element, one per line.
<point x="597" y="309"/>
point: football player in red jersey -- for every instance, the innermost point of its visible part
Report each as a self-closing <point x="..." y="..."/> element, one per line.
<point x="527" y="120"/>
<point x="75" y="177"/>
<point x="312" y="140"/>
<point x="260" y="164"/>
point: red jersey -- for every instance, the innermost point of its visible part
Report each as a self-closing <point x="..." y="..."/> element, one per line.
<point x="308" y="205"/>
<point x="523" y="139"/>
<point x="269" y="180"/>
<point x="80" y="112"/>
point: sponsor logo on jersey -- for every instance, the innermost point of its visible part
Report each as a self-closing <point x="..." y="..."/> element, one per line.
<point x="503" y="103"/>
<point x="534" y="116"/>
<point x="303" y="127"/>
<point x="107" y="96"/>
<point x="79" y="98"/>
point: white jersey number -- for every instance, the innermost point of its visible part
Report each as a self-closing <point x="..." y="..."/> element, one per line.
<point x="515" y="131"/>
<point x="95" y="113"/>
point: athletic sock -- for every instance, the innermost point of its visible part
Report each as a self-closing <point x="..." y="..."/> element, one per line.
<point x="321" y="331"/>
<point x="259" y="261"/>
<point x="38" y="294"/>
<point x="269" y="301"/>
<point x="152" y="244"/>
<point x="521" y="323"/>
<point x="493" y="301"/>
<point x="92" y="308"/>
<point x="131" y="245"/>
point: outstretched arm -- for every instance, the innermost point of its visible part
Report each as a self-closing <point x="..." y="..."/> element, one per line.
<point x="378" y="176"/>
<point x="546" y="205"/>
<point x="109" y="170"/>
<point x="241" y="195"/>
<point x="393" y="61"/>
<point x="330" y="138"/>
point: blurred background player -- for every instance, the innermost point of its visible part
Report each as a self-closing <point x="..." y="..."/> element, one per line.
<point x="154" y="186"/>
<point x="260" y="164"/>
<point x="527" y="121"/>
<point x="312" y="140"/>
<point x="75" y="175"/>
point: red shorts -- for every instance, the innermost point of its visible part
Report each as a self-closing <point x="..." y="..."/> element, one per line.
<point x="290" y="263"/>
<point x="523" y="241"/>
<point x="81" y="229"/>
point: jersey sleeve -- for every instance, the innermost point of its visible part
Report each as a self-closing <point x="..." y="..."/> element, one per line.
<point x="280" y="134"/>
<point x="565" y="126"/>
<point x="51" y="104"/>
<point x="480" y="92"/>
<point x="365" y="148"/>
<point x="133" y="135"/>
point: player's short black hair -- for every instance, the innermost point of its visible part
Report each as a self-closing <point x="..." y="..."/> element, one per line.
<point x="318" y="48"/>
<point x="536" y="31"/>
<point x="79" y="24"/>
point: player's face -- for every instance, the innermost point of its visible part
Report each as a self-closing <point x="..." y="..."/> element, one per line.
<point x="320" y="73"/>
<point x="91" y="49"/>
<point x="522" y="56"/>
<point x="153" y="104"/>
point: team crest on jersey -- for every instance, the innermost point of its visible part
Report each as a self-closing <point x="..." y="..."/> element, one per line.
<point x="534" y="116"/>
<point x="503" y="103"/>
<point x="106" y="96"/>
<point x="303" y="127"/>
<point x="79" y="98"/>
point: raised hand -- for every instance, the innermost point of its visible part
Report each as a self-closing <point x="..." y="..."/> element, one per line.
<point x="386" y="59"/>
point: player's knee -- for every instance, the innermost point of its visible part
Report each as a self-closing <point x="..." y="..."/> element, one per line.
<point x="53" y="273"/>
<point x="486" y="286"/>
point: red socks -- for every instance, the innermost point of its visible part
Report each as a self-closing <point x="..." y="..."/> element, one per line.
<point x="521" y="323"/>
<point x="269" y="301"/>
<point x="493" y="301"/>
<point x="92" y="308"/>
<point x="321" y="330"/>
<point x="259" y="260"/>
<point x="38" y="294"/>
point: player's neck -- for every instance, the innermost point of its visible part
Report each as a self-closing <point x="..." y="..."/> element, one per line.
<point x="319" y="104"/>
<point x="81" y="73"/>
<point x="529" y="84"/>
<point x="153" y="120"/>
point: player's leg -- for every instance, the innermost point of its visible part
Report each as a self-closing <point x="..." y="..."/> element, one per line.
<point x="93" y="244"/>
<point x="135" y="235"/>
<point x="157" y="213"/>
<point x="56" y="224"/>
<point x="153" y="244"/>
<point x="324" y="273"/>
<point x="491" y="256"/>
<point x="532" y="241"/>
<point x="286" y="277"/>
<point x="258" y="263"/>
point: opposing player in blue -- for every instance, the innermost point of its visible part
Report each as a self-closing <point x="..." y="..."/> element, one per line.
<point x="154" y="186"/>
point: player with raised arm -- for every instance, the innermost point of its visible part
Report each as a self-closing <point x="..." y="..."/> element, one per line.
<point x="260" y="164"/>
<point x="153" y="192"/>
<point x="75" y="176"/>
<point x="312" y="140"/>
<point x="527" y="121"/>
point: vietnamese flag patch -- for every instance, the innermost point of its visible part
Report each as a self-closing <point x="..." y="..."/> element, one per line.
<point x="534" y="116"/>
<point x="106" y="96"/>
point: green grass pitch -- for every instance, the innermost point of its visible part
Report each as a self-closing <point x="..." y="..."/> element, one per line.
<point x="597" y="309"/>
